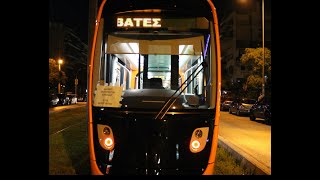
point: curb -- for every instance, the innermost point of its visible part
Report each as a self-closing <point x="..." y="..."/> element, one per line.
<point x="256" y="167"/>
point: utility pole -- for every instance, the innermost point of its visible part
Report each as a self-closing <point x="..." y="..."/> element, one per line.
<point x="263" y="56"/>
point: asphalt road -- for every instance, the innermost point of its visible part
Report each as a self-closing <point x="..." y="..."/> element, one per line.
<point x="65" y="107"/>
<point x="251" y="139"/>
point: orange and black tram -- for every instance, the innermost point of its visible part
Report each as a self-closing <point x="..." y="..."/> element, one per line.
<point x="154" y="88"/>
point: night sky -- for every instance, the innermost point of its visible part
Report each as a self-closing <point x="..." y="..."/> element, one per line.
<point x="75" y="13"/>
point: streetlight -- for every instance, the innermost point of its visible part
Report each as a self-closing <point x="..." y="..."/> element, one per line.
<point x="60" y="61"/>
<point x="263" y="54"/>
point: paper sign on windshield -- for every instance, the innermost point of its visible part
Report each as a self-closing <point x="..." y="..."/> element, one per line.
<point x="107" y="96"/>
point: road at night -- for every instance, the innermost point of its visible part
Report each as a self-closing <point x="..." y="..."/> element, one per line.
<point x="66" y="107"/>
<point x="251" y="139"/>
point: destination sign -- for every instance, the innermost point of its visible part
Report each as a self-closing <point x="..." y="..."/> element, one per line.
<point x="138" y="22"/>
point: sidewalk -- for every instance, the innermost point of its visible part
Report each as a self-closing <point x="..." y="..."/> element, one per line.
<point x="245" y="159"/>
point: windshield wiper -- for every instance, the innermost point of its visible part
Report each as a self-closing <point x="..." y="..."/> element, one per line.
<point x="165" y="108"/>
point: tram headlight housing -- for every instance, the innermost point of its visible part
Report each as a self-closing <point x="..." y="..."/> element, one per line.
<point x="198" y="139"/>
<point x="105" y="136"/>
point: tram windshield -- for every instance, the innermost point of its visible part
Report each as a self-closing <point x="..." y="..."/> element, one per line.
<point x="144" y="69"/>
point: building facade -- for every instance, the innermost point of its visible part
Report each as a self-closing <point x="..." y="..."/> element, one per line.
<point x="240" y="28"/>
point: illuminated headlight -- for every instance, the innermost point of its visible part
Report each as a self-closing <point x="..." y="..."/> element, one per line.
<point x="108" y="142"/>
<point x="195" y="144"/>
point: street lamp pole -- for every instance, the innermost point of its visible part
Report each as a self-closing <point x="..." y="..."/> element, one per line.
<point x="59" y="63"/>
<point x="263" y="53"/>
<point x="76" y="83"/>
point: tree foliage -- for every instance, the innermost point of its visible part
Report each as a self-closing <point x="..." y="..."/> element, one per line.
<point x="253" y="58"/>
<point x="55" y="75"/>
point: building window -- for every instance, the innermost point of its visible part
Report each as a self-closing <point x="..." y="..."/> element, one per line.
<point x="238" y="59"/>
<point x="240" y="80"/>
<point x="231" y="70"/>
<point x="243" y="68"/>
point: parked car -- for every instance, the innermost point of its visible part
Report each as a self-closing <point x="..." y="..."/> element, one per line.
<point x="261" y="109"/>
<point x="82" y="98"/>
<point x="72" y="99"/>
<point x="225" y="104"/>
<point x="241" y="106"/>
<point x="63" y="99"/>
<point x="53" y="100"/>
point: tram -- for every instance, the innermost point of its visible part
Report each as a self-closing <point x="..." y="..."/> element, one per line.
<point x="154" y="88"/>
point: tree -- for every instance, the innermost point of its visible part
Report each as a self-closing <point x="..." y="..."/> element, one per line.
<point x="55" y="75"/>
<point x="253" y="59"/>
